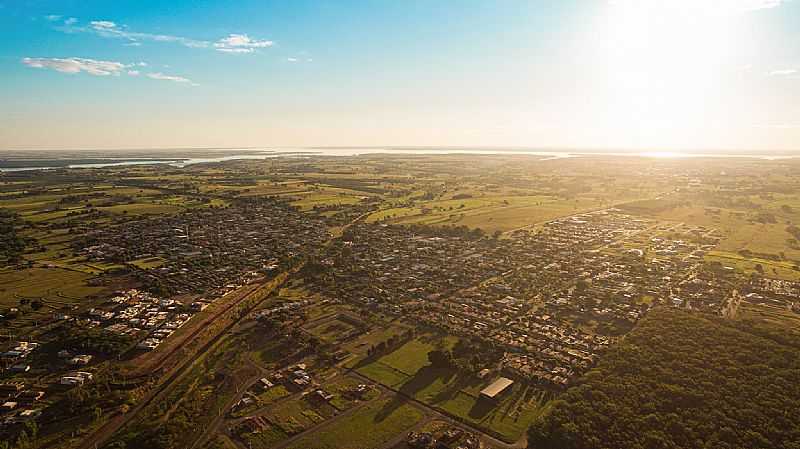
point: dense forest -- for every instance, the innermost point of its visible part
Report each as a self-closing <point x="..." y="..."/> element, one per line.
<point x="682" y="380"/>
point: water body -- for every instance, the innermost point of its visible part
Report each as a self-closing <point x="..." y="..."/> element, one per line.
<point x="341" y="152"/>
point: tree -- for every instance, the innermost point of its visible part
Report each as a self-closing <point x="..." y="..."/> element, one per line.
<point x="439" y="358"/>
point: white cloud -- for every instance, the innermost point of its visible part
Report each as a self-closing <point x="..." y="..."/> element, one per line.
<point x="109" y="29"/>
<point x="240" y="43"/>
<point x="76" y="65"/>
<point x="783" y="72"/>
<point x="103" y="25"/>
<point x="291" y="59"/>
<point x="173" y="78"/>
<point x="236" y="50"/>
<point x="233" y="43"/>
<point x="100" y="68"/>
<point x="52" y="18"/>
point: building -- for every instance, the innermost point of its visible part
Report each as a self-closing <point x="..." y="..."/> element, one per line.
<point x="496" y="388"/>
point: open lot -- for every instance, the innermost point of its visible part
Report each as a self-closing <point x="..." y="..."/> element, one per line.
<point x="369" y="427"/>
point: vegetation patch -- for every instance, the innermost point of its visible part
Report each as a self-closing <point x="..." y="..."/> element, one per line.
<point x="683" y="380"/>
<point x="373" y="425"/>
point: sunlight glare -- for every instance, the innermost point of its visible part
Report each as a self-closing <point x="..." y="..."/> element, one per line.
<point x="666" y="64"/>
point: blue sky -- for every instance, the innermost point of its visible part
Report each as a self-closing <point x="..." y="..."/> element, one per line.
<point x="671" y="74"/>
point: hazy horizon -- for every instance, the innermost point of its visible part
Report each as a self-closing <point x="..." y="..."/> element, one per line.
<point x="667" y="152"/>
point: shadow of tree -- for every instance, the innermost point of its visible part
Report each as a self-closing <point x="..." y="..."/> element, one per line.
<point x="482" y="408"/>
<point x="424" y="377"/>
<point x="453" y="388"/>
<point x="397" y="401"/>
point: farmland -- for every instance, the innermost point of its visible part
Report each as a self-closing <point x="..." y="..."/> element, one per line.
<point x="366" y="302"/>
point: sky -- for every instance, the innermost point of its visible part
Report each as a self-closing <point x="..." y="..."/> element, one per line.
<point x="677" y="75"/>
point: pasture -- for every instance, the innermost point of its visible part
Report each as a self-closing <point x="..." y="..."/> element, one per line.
<point x="371" y="426"/>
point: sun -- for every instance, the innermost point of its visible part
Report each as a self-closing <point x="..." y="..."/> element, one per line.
<point x="665" y="64"/>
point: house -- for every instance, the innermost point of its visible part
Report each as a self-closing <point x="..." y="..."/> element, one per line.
<point x="148" y="344"/>
<point x="323" y="395"/>
<point x="11" y="390"/>
<point x="30" y="396"/>
<point x="496" y="388"/>
<point x="80" y="360"/>
<point x="27" y="415"/>
<point x="198" y="306"/>
<point x="71" y="380"/>
<point x="76" y="378"/>
<point x="8" y="406"/>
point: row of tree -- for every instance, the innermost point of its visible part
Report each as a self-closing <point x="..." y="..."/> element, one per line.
<point x="12" y="245"/>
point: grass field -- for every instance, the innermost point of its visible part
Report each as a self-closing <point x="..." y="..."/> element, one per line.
<point x="773" y="315"/>
<point x="149" y="262"/>
<point x="264" y="398"/>
<point x="738" y="229"/>
<point x="56" y="288"/>
<point x="296" y="415"/>
<point x="408" y="371"/>
<point x="761" y="238"/>
<point x="360" y="345"/>
<point x="264" y="439"/>
<point x="48" y="283"/>
<point x="142" y="209"/>
<point x="311" y="200"/>
<point x="333" y="330"/>
<point x="369" y="427"/>
<point x="772" y="268"/>
<point x="490" y="213"/>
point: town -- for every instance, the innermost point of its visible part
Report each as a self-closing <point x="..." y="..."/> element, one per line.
<point x="303" y="315"/>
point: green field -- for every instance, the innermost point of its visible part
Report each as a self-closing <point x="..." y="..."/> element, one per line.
<point x="369" y="427"/>
<point x="54" y="285"/>
<point x="489" y="213"/>
<point x="771" y="268"/>
<point x="407" y="370"/>
<point x="264" y="439"/>
<point x="331" y="331"/>
<point x="311" y="200"/>
<point x="296" y="415"/>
